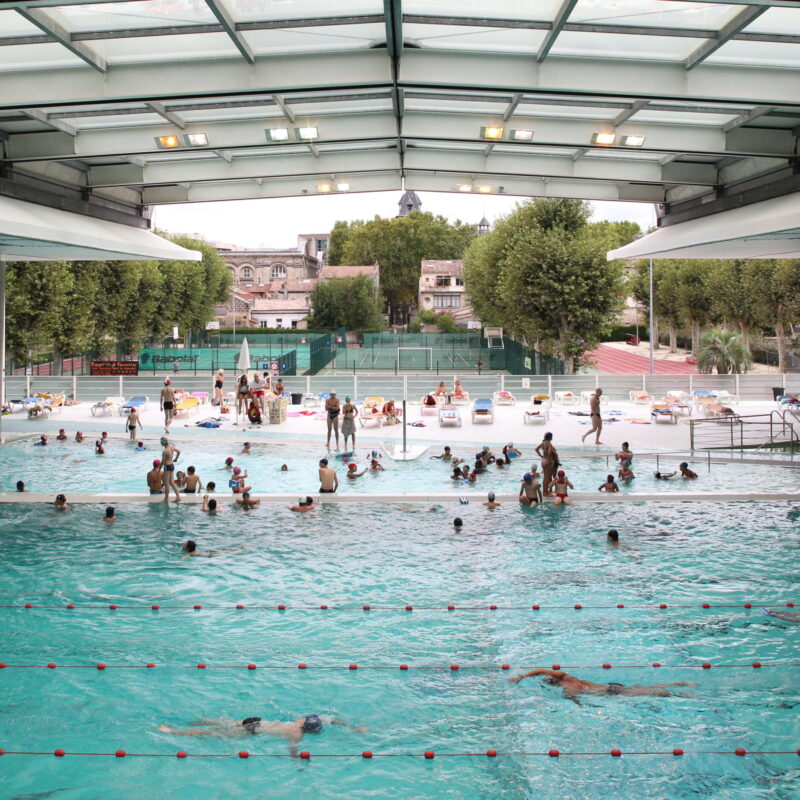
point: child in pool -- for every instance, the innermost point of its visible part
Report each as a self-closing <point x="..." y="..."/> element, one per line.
<point x="609" y="486"/>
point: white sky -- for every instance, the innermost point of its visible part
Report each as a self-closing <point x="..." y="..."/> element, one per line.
<point x="275" y="223"/>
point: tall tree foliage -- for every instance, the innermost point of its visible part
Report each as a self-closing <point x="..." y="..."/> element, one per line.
<point x="777" y="296"/>
<point x="542" y="274"/>
<point x="351" y="303"/>
<point x="399" y="245"/>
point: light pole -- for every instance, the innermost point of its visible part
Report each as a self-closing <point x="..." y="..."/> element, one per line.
<point x="650" y="337"/>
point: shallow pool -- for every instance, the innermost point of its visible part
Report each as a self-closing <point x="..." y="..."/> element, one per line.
<point x="71" y="467"/>
<point x="345" y="557"/>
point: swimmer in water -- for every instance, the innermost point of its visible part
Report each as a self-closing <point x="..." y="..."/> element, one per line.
<point x="192" y="482"/>
<point x="228" y="464"/>
<point x="457" y="476"/>
<point x="446" y="455"/>
<point x="303" y="504"/>
<point x="610" y="485"/>
<point x="660" y="476"/>
<point x="60" y="502"/>
<point x="245" y="501"/>
<point x="21" y="486"/>
<point x="62" y="437"/>
<point x="458" y="523"/>
<point x="190" y="548"/>
<point x="98" y="448"/>
<point x="209" y="506"/>
<point x="500" y="463"/>
<point x="612" y="537"/>
<point x="140" y="446"/>
<point x="351" y="471"/>
<point x="412" y="510"/>
<point x="110" y="514"/>
<point x="491" y="501"/>
<point x="284" y="468"/>
<point x="686" y="472"/>
<point x="292" y="732"/>
<point x="155" y="478"/>
<point x="245" y="451"/>
<point x="42" y="441"/>
<point x="573" y="686"/>
<point x="79" y="436"/>
<point x="625" y="472"/>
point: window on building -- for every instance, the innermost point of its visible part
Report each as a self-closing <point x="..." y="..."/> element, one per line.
<point x="246" y="274"/>
<point x="459" y="281"/>
<point x="322" y="244"/>
<point x="294" y="323"/>
<point x="263" y="324"/>
<point x="277" y="272"/>
<point x="447" y="301"/>
<point x="442" y="280"/>
<point x="279" y="322"/>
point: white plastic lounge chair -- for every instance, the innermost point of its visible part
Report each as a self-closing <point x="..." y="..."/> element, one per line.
<point x="640" y="398"/>
<point x="536" y="415"/>
<point x="428" y="409"/>
<point x="107" y="406"/>
<point x="460" y="401"/>
<point x="483" y="410"/>
<point x="663" y="412"/>
<point x="372" y="411"/>
<point x="449" y="416"/>
<point x="139" y="402"/>
<point x="567" y="398"/>
<point x="504" y="399"/>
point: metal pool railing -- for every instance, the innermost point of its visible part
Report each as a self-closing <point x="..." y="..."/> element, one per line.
<point x="737" y="432"/>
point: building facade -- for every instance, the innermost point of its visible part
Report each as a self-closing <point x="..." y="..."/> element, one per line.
<point x="442" y="290"/>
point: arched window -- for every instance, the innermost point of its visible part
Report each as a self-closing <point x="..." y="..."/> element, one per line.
<point x="277" y="272"/>
<point x="246" y="274"/>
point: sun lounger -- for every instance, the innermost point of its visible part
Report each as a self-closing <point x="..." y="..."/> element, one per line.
<point x="483" y="409"/>
<point x="639" y="398"/>
<point x="430" y="410"/>
<point x="372" y="411"/>
<point x="449" y="416"/>
<point x="725" y="397"/>
<point x="663" y="412"/>
<point x="711" y="408"/>
<point x="186" y="405"/>
<point x="460" y="401"/>
<point x="567" y="398"/>
<point x="588" y="394"/>
<point x="536" y="415"/>
<point x="312" y="401"/>
<point x="504" y="399"/>
<point x="53" y="401"/>
<point x="139" y="402"/>
<point x="105" y="407"/>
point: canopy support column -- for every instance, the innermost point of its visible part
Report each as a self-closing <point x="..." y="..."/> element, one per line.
<point x="2" y="342"/>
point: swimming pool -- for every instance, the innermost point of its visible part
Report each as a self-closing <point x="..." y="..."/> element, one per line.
<point x="723" y="555"/>
<point x="71" y="467"/>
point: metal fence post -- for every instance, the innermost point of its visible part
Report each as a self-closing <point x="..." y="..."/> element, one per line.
<point x="355" y="386"/>
<point x="121" y="391"/>
<point x="738" y="397"/>
<point x="502" y="383"/>
<point x="550" y="387"/>
<point x="690" y="383"/>
<point x="74" y="388"/>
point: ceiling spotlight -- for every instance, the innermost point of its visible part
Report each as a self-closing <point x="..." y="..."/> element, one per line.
<point x="492" y="132"/>
<point x="632" y="141"/>
<point x="196" y="139"/>
<point x="484" y="189"/>
<point x="307" y="133"/>
<point x="324" y="188"/>
<point x="342" y="187"/>
<point x="604" y="138"/>
<point x="168" y="142"/>
<point x="522" y="136"/>
<point x="464" y="187"/>
<point x="277" y="134"/>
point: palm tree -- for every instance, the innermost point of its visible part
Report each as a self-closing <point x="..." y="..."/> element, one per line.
<point x="723" y="350"/>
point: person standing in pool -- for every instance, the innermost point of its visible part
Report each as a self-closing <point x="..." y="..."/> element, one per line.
<point x="610" y="485"/>
<point x="328" y="480"/>
<point x="686" y="472"/>
<point x="594" y="415"/>
<point x="332" y="410"/>
<point x="155" y="478"/>
<point x="169" y="456"/>
<point x="573" y="686"/>
<point x="349" y="412"/>
<point x="624" y="454"/>
<point x="549" y="460"/>
<point x="292" y="732"/>
<point x="131" y="423"/>
<point x="167" y="403"/>
<point x="193" y="484"/>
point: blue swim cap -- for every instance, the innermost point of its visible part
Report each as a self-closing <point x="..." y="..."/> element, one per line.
<point x="463" y="501"/>
<point x="527" y="477"/>
<point x="479" y="454"/>
<point x="684" y="465"/>
<point x="312" y="724"/>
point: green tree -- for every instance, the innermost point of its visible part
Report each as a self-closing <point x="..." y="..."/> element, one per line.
<point x="351" y="303"/>
<point x="553" y="284"/>
<point x="694" y="295"/>
<point x="446" y="323"/>
<point x="777" y="294"/>
<point x="731" y="288"/>
<point x="399" y="245"/>
<point x="667" y="307"/>
<point x="722" y="350"/>
<point x="339" y="234"/>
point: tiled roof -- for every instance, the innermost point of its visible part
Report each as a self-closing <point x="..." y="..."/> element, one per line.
<point x="442" y="267"/>
<point x="347" y="272"/>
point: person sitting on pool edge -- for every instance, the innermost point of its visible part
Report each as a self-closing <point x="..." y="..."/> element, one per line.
<point x="110" y="514"/>
<point x="292" y="732"/>
<point x="304" y="505"/>
<point x="685" y="471"/>
<point x="530" y="492"/>
<point x="238" y="481"/>
<point x="573" y="686"/>
<point x="561" y="484"/>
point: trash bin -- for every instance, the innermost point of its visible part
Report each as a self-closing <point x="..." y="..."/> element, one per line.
<point x="297" y="398"/>
<point x="778" y="391"/>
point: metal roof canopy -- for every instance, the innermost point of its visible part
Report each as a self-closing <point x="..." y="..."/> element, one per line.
<point x="770" y="229"/>
<point x="701" y="97"/>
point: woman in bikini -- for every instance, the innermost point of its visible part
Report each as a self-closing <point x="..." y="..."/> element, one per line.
<point x="549" y="460"/>
<point x="242" y="394"/>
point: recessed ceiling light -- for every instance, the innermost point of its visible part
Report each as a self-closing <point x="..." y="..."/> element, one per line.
<point x="196" y="139"/>
<point x="323" y="187"/>
<point x="342" y="187"/>
<point x="277" y="134"/>
<point x="604" y="138"/>
<point x="464" y="187"/>
<point x="307" y="133"/>
<point x="633" y="141"/>
<point x="522" y="136"/>
<point x="484" y="189"/>
<point x="168" y="142"/>
<point x="492" y="132"/>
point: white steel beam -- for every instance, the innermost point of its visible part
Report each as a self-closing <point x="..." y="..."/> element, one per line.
<point x="43" y="21"/>
<point x="743" y="119"/>
<point x="169" y="116"/>
<point x="42" y="116"/>
<point x="558" y="24"/>
<point x="726" y="33"/>
<point x="217" y="8"/>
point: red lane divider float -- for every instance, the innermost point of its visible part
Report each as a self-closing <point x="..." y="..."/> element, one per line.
<point x="428" y="755"/>
<point x="705" y="665"/>
<point x="368" y="607"/>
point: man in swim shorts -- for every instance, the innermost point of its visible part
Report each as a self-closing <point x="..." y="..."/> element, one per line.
<point x="332" y="410"/>
<point x="528" y="492"/>
<point x="167" y="403"/>
<point x="573" y="686"/>
<point x="155" y="479"/>
<point x="328" y="480"/>
<point x="193" y="484"/>
<point x="169" y="456"/>
<point x="292" y="732"/>
<point x="594" y="416"/>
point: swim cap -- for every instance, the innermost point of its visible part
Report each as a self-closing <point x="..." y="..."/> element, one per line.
<point x="374" y="453"/>
<point x="684" y="464"/>
<point x="246" y="444"/>
<point x="332" y="392"/>
<point x="61" y="430"/>
<point x="548" y="436"/>
<point x="140" y="444"/>
<point x="312" y="724"/>
<point x="463" y="501"/>
<point x="561" y="473"/>
<point x="251" y="723"/>
<point x="352" y="466"/>
<point x="627" y="463"/>
<point x="491" y="497"/>
<point x="164" y="440"/>
<point x="229" y="460"/>
<point x="167" y="382"/>
<point x="237" y="470"/>
<point x="347" y="398"/>
<point x="156" y="463"/>
<point x="104" y="434"/>
<point x="486" y="447"/>
<point x="527" y="477"/>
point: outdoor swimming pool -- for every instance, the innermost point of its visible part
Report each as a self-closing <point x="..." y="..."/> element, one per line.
<point x="684" y="556"/>
<point x="71" y="467"/>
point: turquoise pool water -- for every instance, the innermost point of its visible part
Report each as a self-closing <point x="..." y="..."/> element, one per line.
<point x="71" y="467"/>
<point x="725" y="554"/>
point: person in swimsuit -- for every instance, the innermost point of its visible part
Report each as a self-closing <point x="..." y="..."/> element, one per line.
<point x="625" y="472"/>
<point x="662" y="476"/>
<point x="62" y="436"/>
<point x="258" y="388"/>
<point x="238" y="480"/>
<point x="219" y="382"/>
<point x="21" y="486"/>
<point x="61" y="502"/>
<point x="610" y="486"/>
<point x="278" y="390"/>
<point x="193" y="484"/>
<point x="441" y="391"/>
<point x="351" y="470"/>
<point x="167" y="402"/>
<point x="446" y="455"/>
<point x="328" y="479"/>
<point x="306" y="504"/>
<point x="209" y="506"/>
<point x="490" y="501"/>
<point x="624" y="454"/>
<point x="246" y="502"/>
<point x="458" y="390"/>
<point x="686" y="472"/>
<point x="349" y="423"/>
<point x="99" y="450"/>
<point x="549" y="461"/>
<point x="132" y="422"/>
<point x="528" y="493"/>
<point x="509" y="451"/>
<point x="155" y="479"/>
<point x="292" y="732"/>
<point x="111" y="515"/>
<point x="561" y="484"/>
<point x="169" y="456"/>
<point x="332" y="409"/>
<point x="79" y="436"/>
<point x="573" y="686"/>
<point x="390" y="411"/>
<point x="594" y="415"/>
<point x="242" y="394"/>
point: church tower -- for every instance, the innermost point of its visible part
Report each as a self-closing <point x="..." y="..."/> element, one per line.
<point x="409" y="202"/>
<point x="483" y="226"/>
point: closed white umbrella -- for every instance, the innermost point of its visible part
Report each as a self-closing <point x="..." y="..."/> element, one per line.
<point x="242" y="364"/>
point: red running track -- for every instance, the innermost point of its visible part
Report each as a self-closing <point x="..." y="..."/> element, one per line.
<point x="613" y="361"/>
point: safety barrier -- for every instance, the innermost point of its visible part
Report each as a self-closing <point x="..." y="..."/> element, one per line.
<point x="428" y="755"/>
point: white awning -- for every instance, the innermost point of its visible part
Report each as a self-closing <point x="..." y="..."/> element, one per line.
<point x="30" y="232"/>
<point x="770" y="229"/>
